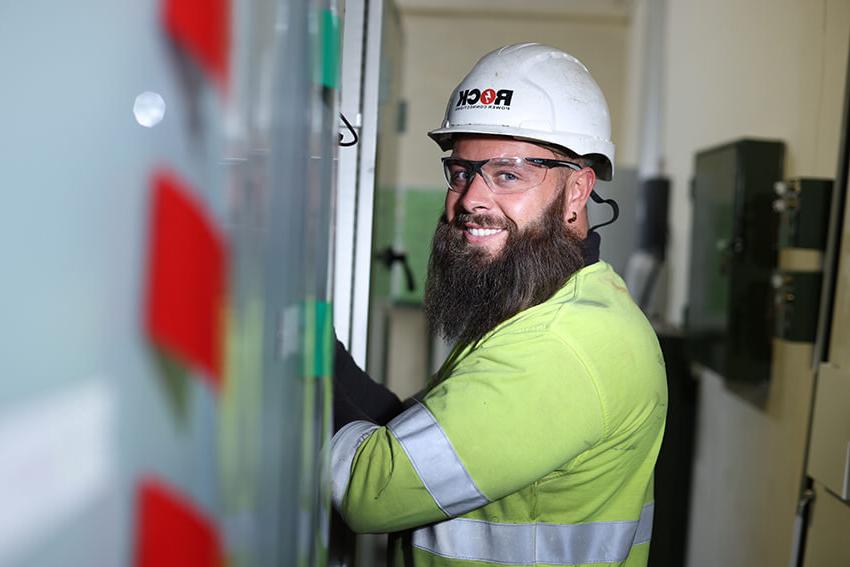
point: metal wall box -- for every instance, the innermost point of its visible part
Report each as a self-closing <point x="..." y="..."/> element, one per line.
<point x="803" y="204"/>
<point x="829" y="448"/>
<point x="797" y="300"/>
<point x="729" y="318"/>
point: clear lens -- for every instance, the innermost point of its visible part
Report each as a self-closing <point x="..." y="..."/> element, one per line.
<point x="458" y="173"/>
<point x="512" y="175"/>
<point x="502" y="175"/>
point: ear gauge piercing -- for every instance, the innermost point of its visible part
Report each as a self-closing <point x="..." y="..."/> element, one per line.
<point x="573" y="218"/>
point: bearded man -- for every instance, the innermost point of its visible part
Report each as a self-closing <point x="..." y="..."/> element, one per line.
<point x="535" y="443"/>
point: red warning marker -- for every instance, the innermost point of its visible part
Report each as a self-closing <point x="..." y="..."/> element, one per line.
<point x="171" y="532"/>
<point x="488" y="96"/>
<point x="187" y="279"/>
<point x="202" y="28"/>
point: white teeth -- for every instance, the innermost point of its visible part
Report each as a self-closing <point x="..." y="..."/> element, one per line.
<point x="484" y="231"/>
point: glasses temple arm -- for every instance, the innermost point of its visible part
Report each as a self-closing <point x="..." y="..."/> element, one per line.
<point x="611" y="203"/>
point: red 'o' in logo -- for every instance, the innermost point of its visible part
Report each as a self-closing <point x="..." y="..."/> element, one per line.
<point x="488" y="96"/>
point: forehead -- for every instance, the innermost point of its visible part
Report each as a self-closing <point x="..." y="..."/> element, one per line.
<point x="483" y="147"/>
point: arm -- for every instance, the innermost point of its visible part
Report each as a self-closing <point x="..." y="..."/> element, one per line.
<point x="357" y="396"/>
<point x="513" y="411"/>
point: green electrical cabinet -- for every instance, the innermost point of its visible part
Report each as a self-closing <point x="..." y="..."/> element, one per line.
<point x="729" y="317"/>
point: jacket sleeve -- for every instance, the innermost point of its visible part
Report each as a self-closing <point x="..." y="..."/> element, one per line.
<point x="357" y="396"/>
<point x="519" y="407"/>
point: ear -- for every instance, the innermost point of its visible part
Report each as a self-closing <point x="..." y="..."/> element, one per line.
<point x="579" y="186"/>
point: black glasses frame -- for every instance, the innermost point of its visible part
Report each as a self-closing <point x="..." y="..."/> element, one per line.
<point x="474" y="166"/>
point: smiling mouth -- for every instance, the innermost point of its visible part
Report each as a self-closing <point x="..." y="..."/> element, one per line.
<point x="475" y="231"/>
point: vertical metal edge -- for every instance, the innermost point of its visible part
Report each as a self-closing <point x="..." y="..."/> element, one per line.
<point x="346" y="182"/>
<point x="801" y="519"/>
<point x="833" y="245"/>
<point x="845" y="489"/>
<point x="650" y="159"/>
<point x="366" y="183"/>
<point x="820" y="351"/>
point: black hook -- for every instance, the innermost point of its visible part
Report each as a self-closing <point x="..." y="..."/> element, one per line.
<point x="348" y="125"/>
<point x="388" y="257"/>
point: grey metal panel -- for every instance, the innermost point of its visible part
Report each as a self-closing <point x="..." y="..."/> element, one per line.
<point x="358" y="318"/>
<point x="75" y="175"/>
<point x="75" y="228"/>
<point x="347" y="165"/>
<point x="366" y="183"/>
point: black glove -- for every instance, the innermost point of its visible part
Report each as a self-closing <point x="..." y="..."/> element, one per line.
<point x="358" y="397"/>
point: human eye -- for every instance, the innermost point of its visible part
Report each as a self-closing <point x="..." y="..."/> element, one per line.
<point x="508" y="175"/>
<point x="458" y="175"/>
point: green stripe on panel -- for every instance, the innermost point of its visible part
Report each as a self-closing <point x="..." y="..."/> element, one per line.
<point x="329" y="30"/>
<point x="318" y="339"/>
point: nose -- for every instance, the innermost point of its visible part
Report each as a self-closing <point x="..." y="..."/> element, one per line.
<point x="477" y="197"/>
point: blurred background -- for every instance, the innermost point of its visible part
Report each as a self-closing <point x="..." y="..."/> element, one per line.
<point x="198" y="193"/>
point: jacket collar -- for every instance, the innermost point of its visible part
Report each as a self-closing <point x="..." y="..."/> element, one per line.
<point x="590" y="248"/>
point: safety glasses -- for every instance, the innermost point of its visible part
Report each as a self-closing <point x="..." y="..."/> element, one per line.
<point x="503" y="175"/>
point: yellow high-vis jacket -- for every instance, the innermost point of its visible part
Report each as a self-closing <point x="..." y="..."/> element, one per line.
<point x="534" y="446"/>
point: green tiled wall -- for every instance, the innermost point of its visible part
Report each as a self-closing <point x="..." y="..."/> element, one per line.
<point x="383" y="235"/>
<point x="422" y="208"/>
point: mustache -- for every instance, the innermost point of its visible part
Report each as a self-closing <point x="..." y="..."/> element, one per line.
<point x="482" y="220"/>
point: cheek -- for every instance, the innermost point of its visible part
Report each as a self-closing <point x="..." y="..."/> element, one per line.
<point x="451" y="204"/>
<point x="528" y="207"/>
<point x="520" y="211"/>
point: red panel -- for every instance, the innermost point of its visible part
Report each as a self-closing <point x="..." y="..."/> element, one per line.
<point x="202" y="28"/>
<point x="170" y="532"/>
<point x="187" y="279"/>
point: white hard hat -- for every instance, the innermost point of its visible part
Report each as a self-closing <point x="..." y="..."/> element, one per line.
<point x="533" y="92"/>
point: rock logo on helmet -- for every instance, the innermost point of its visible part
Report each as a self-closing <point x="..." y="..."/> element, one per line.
<point x="475" y="98"/>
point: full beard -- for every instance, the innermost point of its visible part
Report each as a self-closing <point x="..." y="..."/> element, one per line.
<point x="469" y="292"/>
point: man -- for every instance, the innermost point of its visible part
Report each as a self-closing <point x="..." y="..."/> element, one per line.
<point x="536" y="441"/>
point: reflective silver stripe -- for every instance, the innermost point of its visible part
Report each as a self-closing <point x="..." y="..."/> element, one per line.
<point x="644" y="529"/>
<point x="529" y="544"/>
<point x="344" y="446"/>
<point x="435" y="461"/>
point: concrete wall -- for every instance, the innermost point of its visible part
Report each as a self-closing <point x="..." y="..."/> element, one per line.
<point x="772" y="69"/>
<point x="766" y="68"/>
